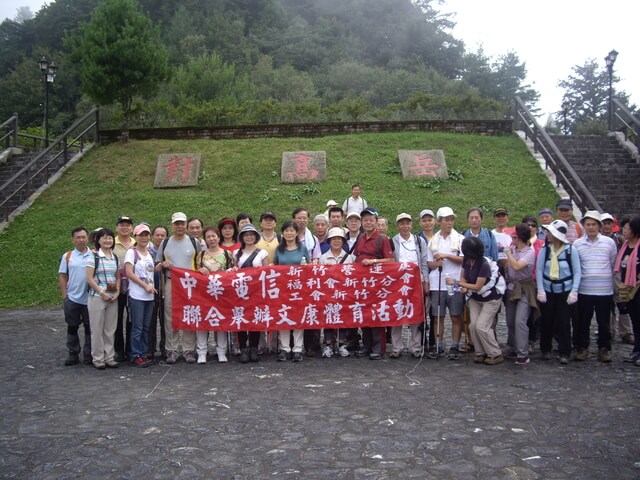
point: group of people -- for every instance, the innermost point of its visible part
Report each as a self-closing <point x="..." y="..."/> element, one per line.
<point x="550" y="276"/>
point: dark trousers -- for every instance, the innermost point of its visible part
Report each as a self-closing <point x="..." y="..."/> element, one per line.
<point x="634" y="313"/>
<point x="157" y="317"/>
<point x="556" y="321"/>
<point x="253" y="337"/>
<point x="587" y="304"/>
<point x="312" y="340"/>
<point x="372" y="339"/>
<point x="76" y="314"/>
<point x="122" y="340"/>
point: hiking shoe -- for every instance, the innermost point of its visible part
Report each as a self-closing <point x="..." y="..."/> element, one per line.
<point x="99" y="365"/>
<point x="511" y="355"/>
<point x="189" y="356"/>
<point x="637" y="364"/>
<point x="416" y="354"/>
<point x="222" y="357"/>
<point x="532" y="347"/>
<point x="454" y="353"/>
<point x="253" y="355"/>
<point x="376" y="356"/>
<point x="564" y="360"/>
<point x="545" y="355"/>
<point x="297" y="356"/>
<point x="479" y="358"/>
<point x="628" y="338"/>
<point x="523" y="360"/>
<point x="583" y="355"/>
<point x="202" y="358"/>
<point x="71" y="360"/>
<point x="111" y="364"/>
<point x="344" y="351"/>
<point x="172" y="357"/>
<point x="633" y="358"/>
<point x="327" y="351"/>
<point x="311" y="353"/>
<point x="363" y="352"/>
<point x="283" y="356"/>
<point x="494" y="360"/>
<point x="603" y="355"/>
<point x="87" y="361"/>
<point x="244" y="355"/>
<point x="394" y="355"/>
<point x="435" y="352"/>
<point x="141" y="362"/>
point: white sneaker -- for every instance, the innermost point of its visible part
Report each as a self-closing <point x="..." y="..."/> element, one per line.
<point x="222" y="358"/>
<point x="202" y="358"/>
<point x="327" y="351"/>
<point x="343" y="351"/>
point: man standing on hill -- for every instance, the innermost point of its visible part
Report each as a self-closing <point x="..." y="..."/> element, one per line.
<point x="123" y="242"/>
<point x="355" y="203"/>
<point x="181" y="251"/>
<point x="72" y="279"/>
<point x="372" y="248"/>
<point x="269" y="238"/>
<point x="445" y="260"/>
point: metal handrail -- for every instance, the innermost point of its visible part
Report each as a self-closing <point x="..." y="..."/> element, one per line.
<point x="625" y="117"/>
<point x="22" y="181"/>
<point x="11" y="134"/>
<point x="554" y="159"/>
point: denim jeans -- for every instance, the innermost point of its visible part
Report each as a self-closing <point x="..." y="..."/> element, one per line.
<point x="141" y="313"/>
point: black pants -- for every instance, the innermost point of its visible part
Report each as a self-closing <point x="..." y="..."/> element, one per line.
<point x="556" y="321"/>
<point x="372" y="339"/>
<point x="75" y="315"/>
<point x="312" y="340"/>
<point x="157" y="317"/>
<point x="253" y="337"/>
<point x="587" y="304"/>
<point x="122" y="340"/>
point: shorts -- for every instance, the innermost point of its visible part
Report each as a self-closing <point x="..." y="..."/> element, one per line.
<point x="455" y="303"/>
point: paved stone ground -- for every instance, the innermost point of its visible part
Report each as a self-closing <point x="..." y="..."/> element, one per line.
<point x="323" y="418"/>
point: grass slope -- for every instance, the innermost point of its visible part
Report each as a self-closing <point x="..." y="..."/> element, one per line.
<point x="244" y="175"/>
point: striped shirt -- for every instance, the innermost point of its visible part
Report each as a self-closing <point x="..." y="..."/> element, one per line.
<point x="597" y="259"/>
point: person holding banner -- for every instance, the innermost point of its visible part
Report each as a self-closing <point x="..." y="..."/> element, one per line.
<point x="229" y="231"/>
<point x="409" y="248"/>
<point x="372" y="248"/>
<point x="336" y="256"/>
<point x="213" y="259"/>
<point x="248" y="256"/>
<point x="291" y="252"/>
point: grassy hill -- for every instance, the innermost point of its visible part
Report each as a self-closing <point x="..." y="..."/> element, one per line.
<point x="245" y="176"/>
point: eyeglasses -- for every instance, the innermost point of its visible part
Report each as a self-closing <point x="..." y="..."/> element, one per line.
<point x="532" y="224"/>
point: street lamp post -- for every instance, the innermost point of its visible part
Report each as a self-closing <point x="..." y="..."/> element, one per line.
<point x="49" y="72"/>
<point x="565" y="110"/>
<point x="610" y="59"/>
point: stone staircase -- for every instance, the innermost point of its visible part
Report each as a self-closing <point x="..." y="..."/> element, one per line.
<point x="7" y="170"/>
<point x="608" y="169"/>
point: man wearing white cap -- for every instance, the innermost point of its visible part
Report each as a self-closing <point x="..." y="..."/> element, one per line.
<point x="445" y="261"/>
<point x="409" y="248"/>
<point x="179" y="250"/>
<point x="427" y="223"/>
<point x="597" y="259"/>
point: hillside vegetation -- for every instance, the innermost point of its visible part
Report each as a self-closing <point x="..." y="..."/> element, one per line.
<point x="244" y="175"/>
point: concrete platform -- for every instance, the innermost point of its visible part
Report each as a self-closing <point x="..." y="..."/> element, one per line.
<point x="338" y="418"/>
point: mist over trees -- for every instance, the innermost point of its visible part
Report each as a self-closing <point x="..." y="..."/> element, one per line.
<point x="265" y="61"/>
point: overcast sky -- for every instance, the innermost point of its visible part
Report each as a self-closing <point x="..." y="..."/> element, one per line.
<point x="550" y="36"/>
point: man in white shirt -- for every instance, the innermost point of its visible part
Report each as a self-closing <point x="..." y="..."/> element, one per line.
<point x="355" y="203"/>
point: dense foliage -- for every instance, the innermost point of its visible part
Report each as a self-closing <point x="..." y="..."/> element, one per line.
<point x="260" y="61"/>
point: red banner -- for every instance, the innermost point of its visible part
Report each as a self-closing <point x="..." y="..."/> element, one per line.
<point x="291" y="297"/>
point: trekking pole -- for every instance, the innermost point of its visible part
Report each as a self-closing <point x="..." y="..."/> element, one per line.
<point x="437" y="333"/>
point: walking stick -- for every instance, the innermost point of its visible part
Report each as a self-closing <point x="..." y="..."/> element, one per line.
<point x="438" y="316"/>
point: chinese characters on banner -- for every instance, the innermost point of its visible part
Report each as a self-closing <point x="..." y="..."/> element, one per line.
<point x="297" y="296"/>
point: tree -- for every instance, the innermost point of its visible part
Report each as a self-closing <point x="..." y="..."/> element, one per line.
<point x="119" y="55"/>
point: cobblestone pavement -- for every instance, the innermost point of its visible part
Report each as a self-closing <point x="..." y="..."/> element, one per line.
<point x="338" y="418"/>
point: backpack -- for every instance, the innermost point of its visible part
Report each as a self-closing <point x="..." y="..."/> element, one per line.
<point x="496" y="280"/>
<point x="567" y="258"/>
<point x="193" y="242"/>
